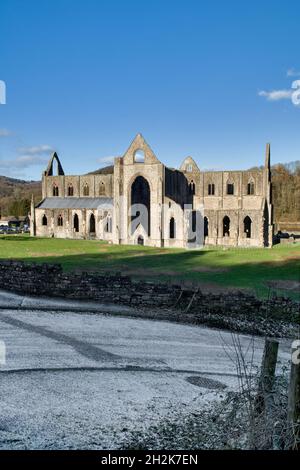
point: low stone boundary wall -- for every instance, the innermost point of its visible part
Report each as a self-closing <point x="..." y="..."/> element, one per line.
<point x="49" y="280"/>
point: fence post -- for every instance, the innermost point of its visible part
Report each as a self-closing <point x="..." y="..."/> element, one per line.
<point x="267" y="374"/>
<point x="294" y="399"/>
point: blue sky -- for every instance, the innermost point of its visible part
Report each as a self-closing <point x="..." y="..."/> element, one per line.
<point x="194" y="77"/>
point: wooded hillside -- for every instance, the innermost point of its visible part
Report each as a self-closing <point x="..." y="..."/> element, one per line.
<point x="286" y="194"/>
<point x="15" y="195"/>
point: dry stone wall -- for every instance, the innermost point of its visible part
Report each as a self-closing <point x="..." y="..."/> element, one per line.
<point x="49" y="280"/>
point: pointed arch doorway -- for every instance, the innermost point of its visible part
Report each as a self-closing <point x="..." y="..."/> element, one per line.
<point x="140" y="194"/>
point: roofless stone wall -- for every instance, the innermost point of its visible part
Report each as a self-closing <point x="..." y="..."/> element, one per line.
<point x="210" y="308"/>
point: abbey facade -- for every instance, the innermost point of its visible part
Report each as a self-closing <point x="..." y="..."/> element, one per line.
<point x="183" y="208"/>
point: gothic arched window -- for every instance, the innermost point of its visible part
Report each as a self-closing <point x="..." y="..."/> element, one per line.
<point x="211" y="189"/>
<point x="86" y="190"/>
<point x="247" y="226"/>
<point x="76" y="223"/>
<point x="192" y="187"/>
<point x="92" y="226"/>
<point x="102" y="189"/>
<point x="230" y="189"/>
<point x="60" y="221"/>
<point x="108" y="225"/>
<point x="172" y="228"/>
<point x="55" y="190"/>
<point x="206" y="227"/>
<point x="226" y="226"/>
<point x="250" y="188"/>
<point x="70" y="190"/>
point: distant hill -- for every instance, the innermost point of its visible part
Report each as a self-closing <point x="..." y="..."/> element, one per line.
<point x="9" y="185"/>
<point x="15" y="195"/>
<point x="107" y="170"/>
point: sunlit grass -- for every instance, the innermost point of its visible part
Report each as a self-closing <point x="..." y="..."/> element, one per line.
<point x="252" y="268"/>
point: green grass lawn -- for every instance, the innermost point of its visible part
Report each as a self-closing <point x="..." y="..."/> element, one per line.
<point x="251" y="268"/>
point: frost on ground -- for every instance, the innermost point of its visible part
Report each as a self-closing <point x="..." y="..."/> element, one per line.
<point x="90" y="410"/>
<point x="223" y="424"/>
<point x="214" y="427"/>
<point x="82" y="381"/>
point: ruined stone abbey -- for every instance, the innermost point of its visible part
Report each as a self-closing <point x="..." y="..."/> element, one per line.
<point x="184" y="208"/>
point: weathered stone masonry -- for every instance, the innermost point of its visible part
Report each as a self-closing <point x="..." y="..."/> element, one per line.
<point x="235" y="206"/>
